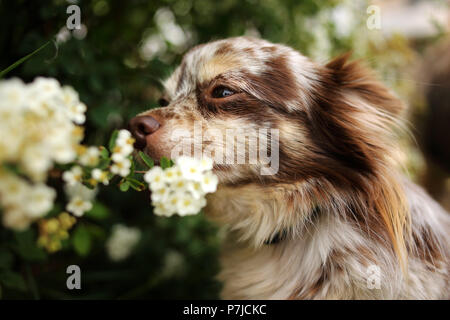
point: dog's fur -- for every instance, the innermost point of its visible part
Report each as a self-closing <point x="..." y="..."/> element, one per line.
<point x="337" y="204"/>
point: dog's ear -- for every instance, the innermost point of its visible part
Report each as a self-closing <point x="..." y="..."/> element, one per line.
<point x="353" y="115"/>
<point x="354" y="77"/>
<point x="360" y="115"/>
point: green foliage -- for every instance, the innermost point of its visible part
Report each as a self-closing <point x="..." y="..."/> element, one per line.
<point x="22" y="60"/>
<point x="98" y="212"/>
<point x="124" y="186"/>
<point x="14" y="280"/>
<point x="112" y="140"/>
<point x="25" y="246"/>
<point x="165" y="163"/>
<point x="116" y="81"/>
<point x="147" y="160"/>
<point x="81" y="240"/>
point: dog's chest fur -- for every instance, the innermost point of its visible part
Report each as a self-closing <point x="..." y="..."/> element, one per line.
<point x="332" y="258"/>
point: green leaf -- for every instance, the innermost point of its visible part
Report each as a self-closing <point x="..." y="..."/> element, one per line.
<point x="124" y="186"/>
<point x="104" y="153"/>
<point x="133" y="166"/>
<point x="112" y="140"/>
<point x="165" y="163"/>
<point x="25" y="246"/>
<point x="6" y="258"/>
<point x="22" y="60"/>
<point x="136" y="184"/>
<point x="96" y="232"/>
<point x="13" y="280"/>
<point x="98" y="212"/>
<point x="147" y="160"/>
<point x="104" y="163"/>
<point x="81" y="240"/>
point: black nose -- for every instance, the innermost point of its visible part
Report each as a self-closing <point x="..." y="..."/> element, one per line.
<point x="141" y="127"/>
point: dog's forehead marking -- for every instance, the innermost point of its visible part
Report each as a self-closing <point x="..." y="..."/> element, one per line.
<point x="205" y="62"/>
<point x="244" y="59"/>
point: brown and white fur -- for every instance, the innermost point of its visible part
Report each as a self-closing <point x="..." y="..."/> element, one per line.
<point x="337" y="199"/>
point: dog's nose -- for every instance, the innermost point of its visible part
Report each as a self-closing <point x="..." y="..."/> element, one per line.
<point x="141" y="127"/>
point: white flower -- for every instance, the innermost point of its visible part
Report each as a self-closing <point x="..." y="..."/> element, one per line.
<point x="36" y="161"/>
<point x="22" y="202"/>
<point x="12" y="93"/>
<point x="37" y="129"/>
<point x="206" y="164"/>
<point x="121" y="152"/>
<point x="122" y="168"/>
<point x="173" y="264"/>
<point x="100" y="176"/>
<point x="80" y="190"/>
<point x="13" y="190"/>
<point x="63" y="35"/>
<point x="155" y="177"/>
<point x="180" y="185"/>
<point x="76" y="134"/>
<point x="16" y="219"/>
<point x="163" y="209"/>
<point x="78" y="206"/>
<point x="161" y="194"/>
<point x="171" y="204"/>
<point x="76" y="113"/>
<point x="69" y="96"/>
<point x="123" y="146"/>
<point x="209" y="182"/>
<point x="122" y="241"/>
<point x="190" y="168"/>
<point x="90" y="157"/>
<point x="172" y="174"/>
<point x="195" y="188"/>
<point x="181" y="189"/>
<point x="40" y="200"/>
<point x="73" y="176"/>
<point x="44" y="88"/>
<point x="123" y="135"/>
<point x="124" y="138"/>
<point x="188" y="205"/>
<point x="63" y="153"/>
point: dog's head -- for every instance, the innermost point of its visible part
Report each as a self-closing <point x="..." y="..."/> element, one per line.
<point x="268" y="115"/>
<point x="265" y="113"/>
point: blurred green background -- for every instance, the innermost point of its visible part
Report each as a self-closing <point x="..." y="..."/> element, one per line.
<point x="115" y="62"/>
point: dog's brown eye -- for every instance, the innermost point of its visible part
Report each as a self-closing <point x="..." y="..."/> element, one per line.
<point x="222" y="92"/>
<point x="163" y="102"/>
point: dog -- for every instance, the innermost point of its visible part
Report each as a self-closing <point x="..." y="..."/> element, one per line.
<point x="335" y="220"/>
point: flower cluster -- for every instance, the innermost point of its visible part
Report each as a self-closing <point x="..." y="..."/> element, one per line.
<point x="54" y="230"/>
<point x="41" y="138"/>
<point x="181" y="188"/>
<point x="23" y="202"/>
<point x="122" y="241"/>
<point x="121" y="153"/>
<point x="39" y="127"/>
<point x="80" y="198"/>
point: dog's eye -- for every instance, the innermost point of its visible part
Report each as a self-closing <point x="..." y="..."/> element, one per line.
<point x="222" y="92"/>
<point x="163" y="102"/>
